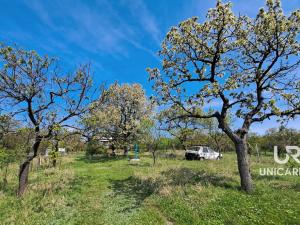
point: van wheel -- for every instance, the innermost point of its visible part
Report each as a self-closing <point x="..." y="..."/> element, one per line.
<point x="188" y="157"/>
<point x="201" y="158"/>
<point x="218" y="158"/>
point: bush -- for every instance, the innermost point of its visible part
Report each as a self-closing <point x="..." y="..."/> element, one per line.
<point x="93" y="148"/>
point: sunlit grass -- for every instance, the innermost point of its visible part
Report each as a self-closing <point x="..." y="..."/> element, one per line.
<point x="174" y="191"/>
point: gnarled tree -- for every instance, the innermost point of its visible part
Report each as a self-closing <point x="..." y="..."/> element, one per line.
<point x="246" y="64"/>
<point x="31" y="88"/>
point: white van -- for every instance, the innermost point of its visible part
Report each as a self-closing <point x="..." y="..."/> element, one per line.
<point x="201" y="152"/>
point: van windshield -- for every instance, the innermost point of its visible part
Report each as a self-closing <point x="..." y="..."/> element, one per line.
<point x="208" y="150"/>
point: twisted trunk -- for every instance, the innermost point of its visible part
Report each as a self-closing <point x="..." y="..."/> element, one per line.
<point x="23" y="176"/>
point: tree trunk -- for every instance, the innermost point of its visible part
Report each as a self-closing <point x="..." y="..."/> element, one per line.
<point x="24" y="167"/>
<point x="154" y="157"/>
<point x="126" y="150"/>
<point x="54" y="162"/>
<point x="113" y="150"/>
<point x="243" y="166"/>
<point x="5" y="177"/>
<point x="23" y="176"/>
<point x="55" y="154"/>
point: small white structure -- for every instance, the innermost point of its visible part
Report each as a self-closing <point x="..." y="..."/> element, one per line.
<point x="62" y="151"/>
<point x="134" y="161"/>
<point x="105" y="141"/>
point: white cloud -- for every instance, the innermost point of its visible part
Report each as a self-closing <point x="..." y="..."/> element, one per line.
<point x="97" y="28"/>
<point x="42" y="12"/>
<point x="146" y="19"/>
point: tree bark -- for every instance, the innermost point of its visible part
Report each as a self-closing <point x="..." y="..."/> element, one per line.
<point x="154" y="157"/>
<point x="126" y="150"/>
<point x="113" y="150"/>
<point x="54" y="162"/>
<point x="240" y="141"/>
<point x="243" y="165"/>
<point x="23" y="176"/>
<point x="5" y="177"/>
<point x="55" y="154"/>
<point x="24" y="167"/>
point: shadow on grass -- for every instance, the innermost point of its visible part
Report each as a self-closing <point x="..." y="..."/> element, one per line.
<point x="138" y="189"/>
<point x="186" y="176"/>
<point x="297" y="187"/>
<point x="267" y="178"/>
<point x="278" y="182"/>
<point x="134" y="189"/>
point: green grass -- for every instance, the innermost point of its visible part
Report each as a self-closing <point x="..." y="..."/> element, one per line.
<point x="175" y="191"/>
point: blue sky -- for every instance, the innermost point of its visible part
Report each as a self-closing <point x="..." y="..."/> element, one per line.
<point x="119" y="37"/>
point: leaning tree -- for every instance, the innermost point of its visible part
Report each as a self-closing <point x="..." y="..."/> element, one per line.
<point x="32" y="88"/>
<point x="233" y="63"/>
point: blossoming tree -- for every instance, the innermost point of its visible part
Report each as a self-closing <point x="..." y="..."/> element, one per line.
<point x="248" y="65"/>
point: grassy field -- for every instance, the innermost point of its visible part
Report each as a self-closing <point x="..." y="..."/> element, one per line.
<point x="113" y="191"/>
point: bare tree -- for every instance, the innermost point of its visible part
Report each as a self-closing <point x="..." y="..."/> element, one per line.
<point x="31" y="86"/>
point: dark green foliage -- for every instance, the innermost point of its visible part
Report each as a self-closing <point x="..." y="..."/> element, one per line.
<point x="94" y="148"/>
<point x="280" y="137"/>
